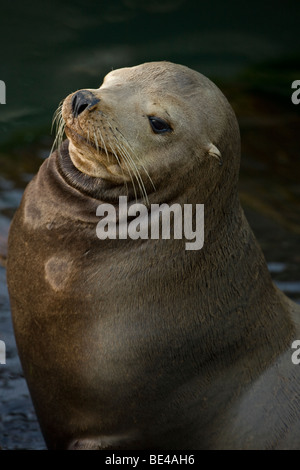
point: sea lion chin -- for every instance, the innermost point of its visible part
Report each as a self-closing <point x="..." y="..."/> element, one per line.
<point x="142" y="344"/>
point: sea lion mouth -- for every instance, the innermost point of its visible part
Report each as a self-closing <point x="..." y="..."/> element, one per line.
<point x="80" y="139"/>
<point x="73" y="135"/>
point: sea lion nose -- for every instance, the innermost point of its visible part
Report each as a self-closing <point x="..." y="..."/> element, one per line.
<point x="82" y="100"/>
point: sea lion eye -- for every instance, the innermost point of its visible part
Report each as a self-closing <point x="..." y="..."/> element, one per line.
<point x="159" y="126"/>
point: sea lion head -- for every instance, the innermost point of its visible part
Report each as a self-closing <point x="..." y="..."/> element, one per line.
<point x="150" y="124"/>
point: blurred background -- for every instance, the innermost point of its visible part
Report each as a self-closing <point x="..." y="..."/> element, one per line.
<point x="250" y="50"/>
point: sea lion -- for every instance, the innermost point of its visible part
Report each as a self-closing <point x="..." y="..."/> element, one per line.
<point x="140" y="343"/>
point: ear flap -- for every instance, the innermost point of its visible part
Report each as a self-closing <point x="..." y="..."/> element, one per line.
<point x="215" y="152"/>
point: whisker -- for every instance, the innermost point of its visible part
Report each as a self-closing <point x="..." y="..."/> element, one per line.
<point x="126" y="155"/>
<point x="131" y="154"/>
<point x="130" y="171"/>
<point x="128" y="158"/>
<point x="127" y="166"/>
<point x="103" y="144"/>
<point x="56" y="115"/>
<point x="59" y="123"/>
<point x="96" y="141"/>
<point x="141" y="163"/>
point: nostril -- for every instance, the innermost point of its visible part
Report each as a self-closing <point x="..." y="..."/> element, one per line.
<point x="79" y="104"/>
<point x="81" y="101"/>
<point x="82" y="107"/>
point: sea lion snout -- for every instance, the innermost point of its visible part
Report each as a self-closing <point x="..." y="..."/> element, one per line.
<point x="82" y="100"/>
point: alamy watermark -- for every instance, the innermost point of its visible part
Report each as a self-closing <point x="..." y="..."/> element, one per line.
<point x="137" y="221"/>
<point x="296" y="355"/>
<point x="2" y="101"/>
<point x="2" y="92"/>
<point x="2" y="353"/>
<point x="296" y="93"/>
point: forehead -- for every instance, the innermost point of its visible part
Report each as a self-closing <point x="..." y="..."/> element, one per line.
<point x="171" y="77"/>
<point x="147" y="93"/>
<point x="115" y="77"/>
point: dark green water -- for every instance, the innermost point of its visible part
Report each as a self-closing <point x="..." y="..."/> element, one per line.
<point x="252" y="52"/>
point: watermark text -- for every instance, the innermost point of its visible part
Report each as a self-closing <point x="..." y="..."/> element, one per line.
<point x="296" y="93"/>
<point x="2" y="92"/>
<point x="137" y="221"/>
<point x="296" y="354"/>
<point x="2" y="353"/>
